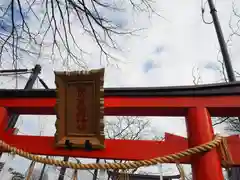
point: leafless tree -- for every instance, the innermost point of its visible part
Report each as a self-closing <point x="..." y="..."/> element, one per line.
<point x="234" y="23"/>
<point x="234" y="26"/>
<point x="47" y="28"/>
<point x="126" y="127"/>
<point x="133" y="128"/>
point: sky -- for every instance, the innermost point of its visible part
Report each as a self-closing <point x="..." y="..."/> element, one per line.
<point x="167" y="53"/>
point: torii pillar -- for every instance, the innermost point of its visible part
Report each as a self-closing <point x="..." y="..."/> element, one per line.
<point x="199" y="126"/>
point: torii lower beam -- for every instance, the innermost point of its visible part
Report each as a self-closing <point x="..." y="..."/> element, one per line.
<point x="116" y="149"/>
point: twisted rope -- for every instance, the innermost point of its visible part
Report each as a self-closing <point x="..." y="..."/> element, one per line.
<point x="226" y="156"/>
<point x="181" y="171"/>
<point x="127" y="165"/>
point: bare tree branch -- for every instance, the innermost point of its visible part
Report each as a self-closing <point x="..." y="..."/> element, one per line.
<point x="29" y="28"/>
<point x="133" y="128"/>
<point x="196" y="76"/>
<point x="234" y="25"/>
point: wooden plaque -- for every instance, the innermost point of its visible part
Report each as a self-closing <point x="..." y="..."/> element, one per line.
<point x="80" y="109"/>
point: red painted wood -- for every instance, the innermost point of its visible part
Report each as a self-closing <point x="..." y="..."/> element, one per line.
<point x="200" y="131"/>
<point x="233" y="143"/>
<point x="3" y="119"/>
<point x="152" y="106"/>
<point x="3" y="122"/>
<point x="116" y="149"/>
<point x="234" y="148"/>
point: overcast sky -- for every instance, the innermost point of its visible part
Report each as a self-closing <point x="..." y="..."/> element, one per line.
<point x="167" y="53"/>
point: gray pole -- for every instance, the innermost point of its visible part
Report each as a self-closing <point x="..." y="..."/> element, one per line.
<point x="222" y="43"/>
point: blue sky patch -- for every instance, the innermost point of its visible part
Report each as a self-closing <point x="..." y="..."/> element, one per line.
<point x="6" y="20"/>
<point x="148" y="65"/>
<point x="212" y="66"/>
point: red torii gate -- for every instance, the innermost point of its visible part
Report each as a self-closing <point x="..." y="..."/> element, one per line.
<point x="196" y="103"/>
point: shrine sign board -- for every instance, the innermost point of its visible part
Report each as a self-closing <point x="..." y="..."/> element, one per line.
<point x="80" y="109"/>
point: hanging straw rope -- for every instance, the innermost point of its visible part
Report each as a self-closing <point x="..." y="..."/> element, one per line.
<point x="127" y="165"/>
